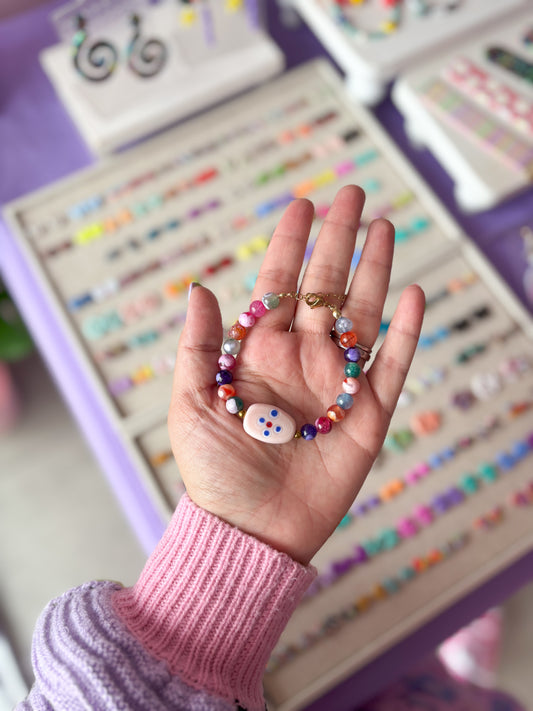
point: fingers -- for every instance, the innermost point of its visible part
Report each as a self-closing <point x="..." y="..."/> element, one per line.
<point x="368" y="290"/>
<point x="389" y="369"/>
<point x="281" y="267"/>
<point x="330" y="262"/>
<point x="199" y="344"/>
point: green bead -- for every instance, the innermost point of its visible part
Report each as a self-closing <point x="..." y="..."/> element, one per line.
<point x="407" y="573"/>
<point x="345" y="521"/>
<point x="391" y="585"/>
<point x="270" y="300"/>
<point x="352" y="370"/>
<point x="389" y="539"/>
<point x="488" y="472"/>
<point x="372" y="546"/>
<point x="469" y="483"/>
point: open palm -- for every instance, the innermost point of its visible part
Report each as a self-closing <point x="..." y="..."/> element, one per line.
<point x="293" y="495"/>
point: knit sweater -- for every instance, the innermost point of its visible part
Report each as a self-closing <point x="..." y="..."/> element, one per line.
<point x="194" y="633"/>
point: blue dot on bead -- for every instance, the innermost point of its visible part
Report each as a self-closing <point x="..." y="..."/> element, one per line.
<point x="278" y="429"/>
<point x="266" y="433"/>
<point x="262" y="420"/>
<point x="273" y="413"/>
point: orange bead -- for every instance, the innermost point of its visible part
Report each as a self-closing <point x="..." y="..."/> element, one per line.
<point x="237" y="331"/>
<point x="425" y="422"/>
<point x="226" y="391"/>
<point x="335" y="413"/>
<point x="348" y="339"/>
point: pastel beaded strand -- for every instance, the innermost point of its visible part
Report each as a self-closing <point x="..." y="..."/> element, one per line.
<point x="268" y="423"/>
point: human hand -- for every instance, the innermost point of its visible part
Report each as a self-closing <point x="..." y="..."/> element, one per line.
<point x="292" y="496"/>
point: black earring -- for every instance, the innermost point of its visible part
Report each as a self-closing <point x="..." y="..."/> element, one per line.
<point x="145" y="57"/>
<point x="94" y="61"/>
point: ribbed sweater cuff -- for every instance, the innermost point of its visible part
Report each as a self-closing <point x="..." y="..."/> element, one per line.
<point x="212" y="602"/>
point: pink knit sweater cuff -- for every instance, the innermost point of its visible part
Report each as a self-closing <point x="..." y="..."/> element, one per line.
<point x="212" y="602"/>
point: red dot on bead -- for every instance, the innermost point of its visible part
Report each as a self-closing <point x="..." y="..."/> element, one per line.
<point x="348" y="339"/>
<point x="237" y="332"/>
<point x="269" y="424"/>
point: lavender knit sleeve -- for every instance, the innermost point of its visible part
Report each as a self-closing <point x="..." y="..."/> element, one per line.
<point x="193" y="634"/>
<point x="85" y="658"/>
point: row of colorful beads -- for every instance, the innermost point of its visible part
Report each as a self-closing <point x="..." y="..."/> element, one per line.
<point x="93" y="203"/>
<point x="144" y="338"/>
<point x="435" y="375"/>
<point x="459" y="325"/>
<point x="232" y="345"/>
<point x="126" y="215"/>
<point x="97" y="230"/>
<point x="160" y="364"/>
<point x="99" y="325"/>
<point x="485" y="385"/>
<point x="389" y="586"/>
<point x="454" y="286"/>
<point x="394" y="583"/>
<point x="437" y="461"/>
<point x="423" y="515"/>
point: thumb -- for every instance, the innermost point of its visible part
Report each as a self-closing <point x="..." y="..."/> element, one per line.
<point x="200" y="341"/>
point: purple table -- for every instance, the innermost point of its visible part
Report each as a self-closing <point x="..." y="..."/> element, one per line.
<point x="39" y="144"/>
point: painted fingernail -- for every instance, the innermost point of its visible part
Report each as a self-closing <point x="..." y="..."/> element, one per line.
<point x="191" y="287"/>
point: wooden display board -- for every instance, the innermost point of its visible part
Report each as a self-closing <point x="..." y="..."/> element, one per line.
<point x="114" y="248"/>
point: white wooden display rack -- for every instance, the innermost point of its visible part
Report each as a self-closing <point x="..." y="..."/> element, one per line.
<point x="370" y="65"/>
<point x="482" y="179"/>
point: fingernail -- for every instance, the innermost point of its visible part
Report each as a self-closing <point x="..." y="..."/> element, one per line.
<point x="191" y="287"/>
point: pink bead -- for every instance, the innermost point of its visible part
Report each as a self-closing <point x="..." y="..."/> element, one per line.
<point x="406" y="528"/>
<point x="258" y="309"/>
<point x="422" y="469"/>
<point x="351" y="385"/>
<point x="323" y="424"/>
<point x="226" y="362"/>
<point x="247" y="319"/>
<point x="423" y="514"/>
<point x="412" y="476"/>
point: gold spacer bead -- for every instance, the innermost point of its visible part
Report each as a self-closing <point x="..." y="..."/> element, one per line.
<point x="297" y="434"/>
<point x="336" y="313"/>
<point x="241" y="414"/>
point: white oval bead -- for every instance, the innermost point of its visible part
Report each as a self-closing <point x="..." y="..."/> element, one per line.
<point x="268" y="423"/>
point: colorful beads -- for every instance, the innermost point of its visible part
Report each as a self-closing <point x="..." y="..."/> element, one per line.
<point x="234" y="405"/>
<point x="352" y="370"/>
<point x="344" y="400"/>
<point x="323" y="425"/>
<point x="270" y="300"/>
<point x="226" y="362"/>
<point x="351" y="386"/>
<point x="268" y="423"/>
<point x="257" y="309"/>
<point x="335" y="413"/>
<point x="348" y="339"/>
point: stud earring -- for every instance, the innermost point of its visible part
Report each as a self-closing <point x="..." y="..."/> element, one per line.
<point x="94" y="61"/>
<point x="146" y="57"/>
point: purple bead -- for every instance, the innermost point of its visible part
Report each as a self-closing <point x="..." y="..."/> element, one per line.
<point x="308" y="431"/>
<point x="455" y="495"/>
<point x="373" y="502"/>
<point x="341" y="567"/>
<point x="224" y="377"/>
<point x="359" y="555"/>
<point x="440" y="504"/>
<point x="120" y="385"/>
<point x="463" y="399"/>
<point x="352" y="355"/>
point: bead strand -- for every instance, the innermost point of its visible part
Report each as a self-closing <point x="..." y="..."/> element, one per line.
<point x="270" y="424"/>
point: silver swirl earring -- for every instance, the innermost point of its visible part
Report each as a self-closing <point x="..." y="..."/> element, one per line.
<point x="146" y="57"/>
<point x="94" y="61"/>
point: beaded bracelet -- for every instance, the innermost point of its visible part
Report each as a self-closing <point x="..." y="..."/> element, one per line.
<point x="268" y="423"/>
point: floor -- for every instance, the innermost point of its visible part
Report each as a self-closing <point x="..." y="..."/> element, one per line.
<point x="60" y="525"/>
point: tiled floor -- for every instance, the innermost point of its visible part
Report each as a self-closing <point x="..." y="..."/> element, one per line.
<point x="60" y="526"/>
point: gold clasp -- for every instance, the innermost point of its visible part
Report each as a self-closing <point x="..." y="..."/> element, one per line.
<point x="315" y="300"/>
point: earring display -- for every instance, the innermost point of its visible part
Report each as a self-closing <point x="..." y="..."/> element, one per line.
<point x="474" y="109"/>
<point x="113" y="250"/>
<point x="127" y="68"/>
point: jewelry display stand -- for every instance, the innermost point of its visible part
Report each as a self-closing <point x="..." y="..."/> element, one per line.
<point x="111" y="251"/>
<point x="476" y="115"/>
<point x="372" y="50"/>
<point x="207" y="61"/>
